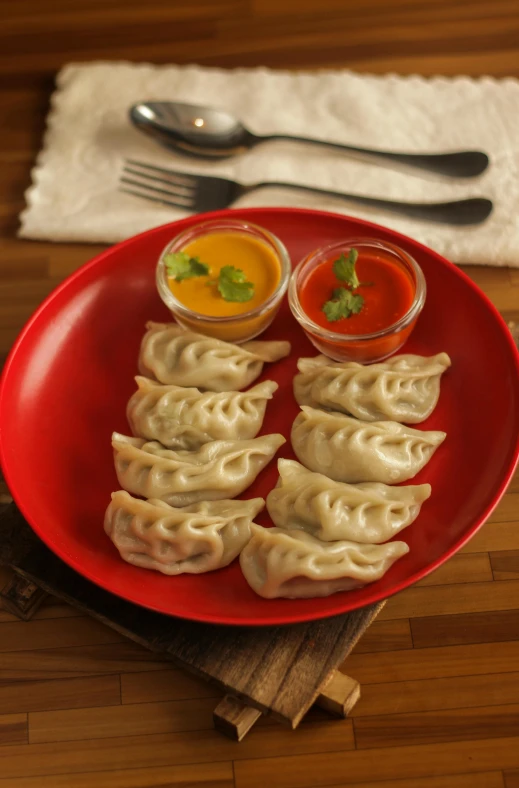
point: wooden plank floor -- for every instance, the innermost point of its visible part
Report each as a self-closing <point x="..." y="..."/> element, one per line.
<point x="81" y="707"/>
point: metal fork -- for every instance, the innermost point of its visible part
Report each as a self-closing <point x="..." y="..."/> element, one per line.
<point x="199" y="193"/>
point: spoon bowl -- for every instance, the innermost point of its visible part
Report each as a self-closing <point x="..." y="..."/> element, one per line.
<point x="198" y="131"/>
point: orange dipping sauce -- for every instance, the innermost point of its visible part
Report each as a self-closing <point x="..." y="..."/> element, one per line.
<point x="258" y="262"/>
<point x="392" y="287"/>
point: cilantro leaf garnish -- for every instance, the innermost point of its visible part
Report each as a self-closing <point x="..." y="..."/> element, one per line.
<point x="181" y="266"/>
<point x="344" y="269"/>
<point x="343" y="303"/>
<point x="232" y="284"/>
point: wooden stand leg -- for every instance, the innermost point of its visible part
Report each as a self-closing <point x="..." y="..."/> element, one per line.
<point x="234" y="718"/>
<point x="340" y="695"/>
<point x="21" y="597"/>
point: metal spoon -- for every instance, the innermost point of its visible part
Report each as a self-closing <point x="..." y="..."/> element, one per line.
<point x="215" y="134"/>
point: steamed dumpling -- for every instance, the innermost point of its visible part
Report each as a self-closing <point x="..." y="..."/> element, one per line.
<point x="172" y="355"/>
<point x="403" y="388"/>
<point x="349" y="450"/>
<point x="369" y="513"/>
<point x="182" y="418"/>
<point x="194" y="539"/>
<point x="294" y="564"/>
<point x="219" y="469"/>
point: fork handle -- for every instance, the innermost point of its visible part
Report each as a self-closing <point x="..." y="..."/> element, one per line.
<point x="458" y="212"/>
<point x="459" y="164"/>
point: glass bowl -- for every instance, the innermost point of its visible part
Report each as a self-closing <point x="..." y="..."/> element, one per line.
<point x="363" y="348"/>
<point x="234" y="328"/>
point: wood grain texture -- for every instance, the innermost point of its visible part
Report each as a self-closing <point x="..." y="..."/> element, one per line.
<point x="481" y="780"/>
<point x="495" y="537"/>
<point x="505" y="564"/>
<point x="164" y="749"/>
<point x="468" y="628"/>
<point x="80" y="661"/>
<point x="13" y="729"/>
<point x="410" y="762"/>
<point x="18" y="635"/>
<point x="385" y="636"/>
<point x="17" y="696"/>
<point x="394" y="730"/>
<point x="461" y="568"/>
<point x="437" y="662"/>
<point x="457" y="598"/>
<point x="129" y="720"/>
<point x="203" y="775"/>
<point x="59" y="672"/>
<point x="168" y="684"/>
<point x="456" y="692"/>
<point x="508" y="507"/>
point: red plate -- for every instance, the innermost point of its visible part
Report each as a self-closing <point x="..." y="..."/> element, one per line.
<point x="70" y="374"/>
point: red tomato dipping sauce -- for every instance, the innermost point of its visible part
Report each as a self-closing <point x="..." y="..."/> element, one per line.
<point x="358" y="300"/>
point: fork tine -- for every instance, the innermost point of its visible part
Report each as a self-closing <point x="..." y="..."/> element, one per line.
<point x="185" y="198"/>
<point x="160" y="200"/>
<point x="188" y="177"/>
<point x="150" y="177"/>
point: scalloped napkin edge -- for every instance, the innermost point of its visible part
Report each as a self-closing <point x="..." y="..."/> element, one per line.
<point x="74" y="194"/>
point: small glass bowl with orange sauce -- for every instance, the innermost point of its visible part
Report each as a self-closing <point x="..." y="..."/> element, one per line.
<point x="393" y="288"/>
<point x="198" y="305"/>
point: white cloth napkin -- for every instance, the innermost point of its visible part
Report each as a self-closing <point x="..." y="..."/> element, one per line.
<point x="74" y="196"/>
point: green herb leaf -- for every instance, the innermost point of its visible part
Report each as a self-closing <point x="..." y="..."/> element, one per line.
<point x="181" y="266"/>
<point x="343" y="303"/>
<point x="334" y="310"/>
<point x="233" y="285"/>
<point x="344" y="269"/>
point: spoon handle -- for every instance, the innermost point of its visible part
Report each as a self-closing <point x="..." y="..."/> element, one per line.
<point x="458" y="212"/>
<point x="464" y="164"/>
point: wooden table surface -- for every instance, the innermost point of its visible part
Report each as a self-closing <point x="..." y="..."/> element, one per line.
<point x="82" y="707"/>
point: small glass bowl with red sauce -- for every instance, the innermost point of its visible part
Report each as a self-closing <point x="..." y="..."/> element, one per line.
<point x="393" y="291"/>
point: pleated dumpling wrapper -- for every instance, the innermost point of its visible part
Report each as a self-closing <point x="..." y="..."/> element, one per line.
<point x="404" y="388"/>
<point x="182" y="418"/>
<point x="193" y="539"/>
<point x="296" y="565"/>
<point x="172" y="355"/>
<point x="370" y="513"/>
<point x="218" y="469"/>
<point x="349" y="450"/>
